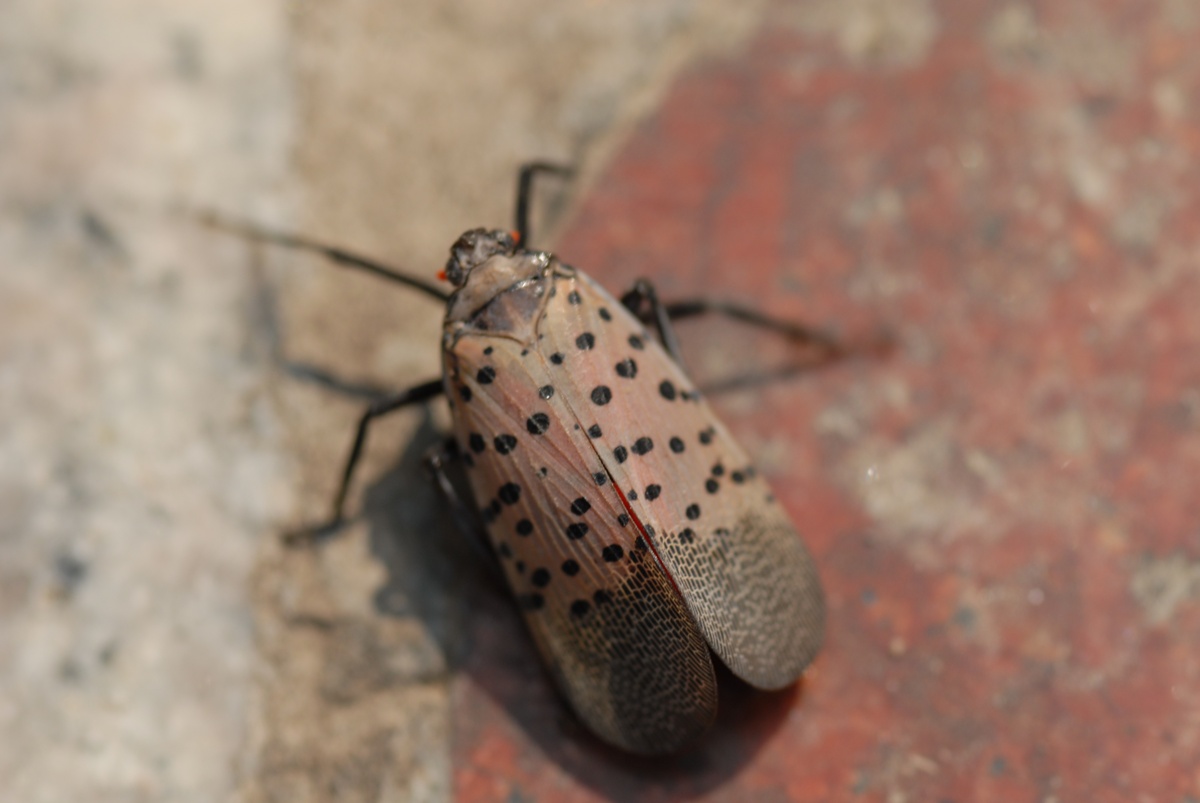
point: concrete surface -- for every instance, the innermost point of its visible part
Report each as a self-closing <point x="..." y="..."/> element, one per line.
<point x="156" y="643"/>
<point x="1004" y="512"/>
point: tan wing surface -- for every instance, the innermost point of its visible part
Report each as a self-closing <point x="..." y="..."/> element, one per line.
<point x="612" y="628"/>
<point x="730" y="548"/>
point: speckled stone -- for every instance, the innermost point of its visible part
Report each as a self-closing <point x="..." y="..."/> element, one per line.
<point x="1005" y="510"/>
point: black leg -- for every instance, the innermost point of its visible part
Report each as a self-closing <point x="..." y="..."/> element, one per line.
<point x="413" y="395"/>
<point x="677" y="310"/>
<point x="525" y="190"/>
<point x="336" y="255"/>
<point x="461" y="510"/>
<point x="643" y="302"/>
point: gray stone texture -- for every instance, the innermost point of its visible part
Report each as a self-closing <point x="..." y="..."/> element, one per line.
<point x="157" y="643"/>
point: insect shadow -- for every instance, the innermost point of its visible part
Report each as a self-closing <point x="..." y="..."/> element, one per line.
<point x="503" y="665"/>
<point x="428" y="563"/>
<point x="433" y="575"/>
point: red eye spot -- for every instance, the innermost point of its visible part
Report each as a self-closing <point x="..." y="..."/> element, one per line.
<point x="516" y="235"/>
<point x="441" y="274"/>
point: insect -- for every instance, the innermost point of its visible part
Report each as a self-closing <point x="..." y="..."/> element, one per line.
<point x="634" y="533"/>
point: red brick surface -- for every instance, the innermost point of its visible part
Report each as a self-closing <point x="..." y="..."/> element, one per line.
<point x="1005" y="510"/>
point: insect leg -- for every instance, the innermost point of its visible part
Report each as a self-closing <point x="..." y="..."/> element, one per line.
<point x="462" y="511"/>
<point x="792" y="330"/>
<point x="525" y="190"/>
<point x="413" y="395"/>
<point x="336" y="255"/>
<point x="661" y="314"/>
<point x="644" y="295"/>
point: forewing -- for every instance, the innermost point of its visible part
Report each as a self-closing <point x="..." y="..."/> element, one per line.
<point x="611" y="627"/>
<point x="728" y="545"/>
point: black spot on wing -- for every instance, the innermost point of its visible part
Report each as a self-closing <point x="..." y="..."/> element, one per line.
<point x="580" y="608"/>
<point x="612" y="553"/>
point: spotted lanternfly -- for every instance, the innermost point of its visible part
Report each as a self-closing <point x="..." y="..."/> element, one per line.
<point x="633" y="531"/>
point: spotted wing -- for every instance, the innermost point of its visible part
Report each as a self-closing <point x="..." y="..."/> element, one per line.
<point x="611" y="627"/>
<point x="727" y="544"/>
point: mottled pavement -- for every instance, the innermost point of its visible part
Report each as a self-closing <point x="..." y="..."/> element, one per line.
<point x="1003" y="509"/>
